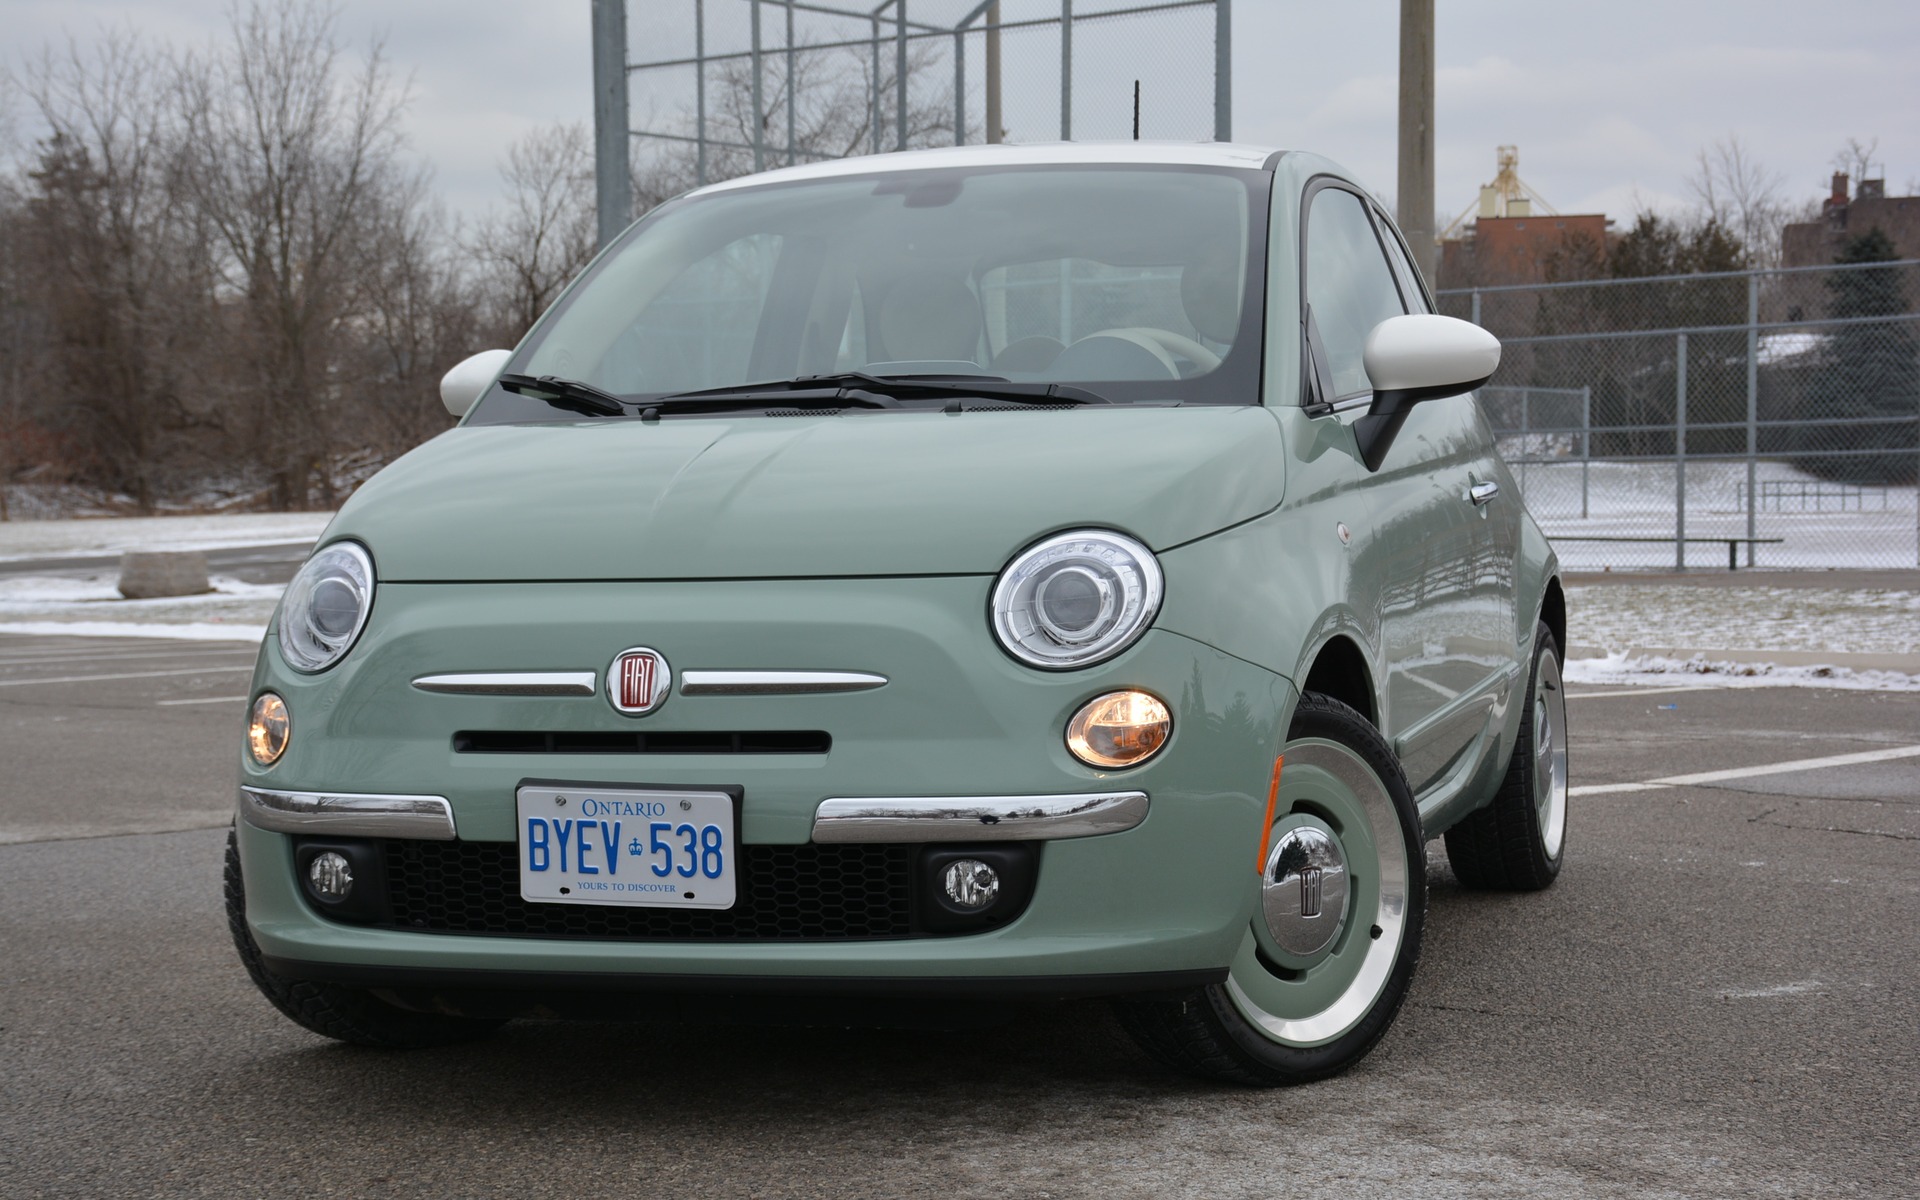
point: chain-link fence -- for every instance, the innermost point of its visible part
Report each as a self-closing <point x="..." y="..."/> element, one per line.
<point x="1757" y="419"/>
<point x="724" y="87"/>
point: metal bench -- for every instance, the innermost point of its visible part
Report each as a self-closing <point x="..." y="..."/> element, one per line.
<point x="1733" y="543"/>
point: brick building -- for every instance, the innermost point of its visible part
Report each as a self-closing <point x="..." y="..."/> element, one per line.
<point x="1516" y="249"/>
<point x="1815" y="243"/>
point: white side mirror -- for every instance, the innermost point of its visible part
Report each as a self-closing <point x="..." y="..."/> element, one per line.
<point x="1430" y="354"/>
<point x="1413" y="358"/>
<point x="460" y="387"/>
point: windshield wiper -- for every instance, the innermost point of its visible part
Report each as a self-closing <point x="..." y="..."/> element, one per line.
<point x="881" y="391"/>
<point x="569" y="394"/>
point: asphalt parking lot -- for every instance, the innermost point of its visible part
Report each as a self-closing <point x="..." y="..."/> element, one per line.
<point x="1721" y="997"/>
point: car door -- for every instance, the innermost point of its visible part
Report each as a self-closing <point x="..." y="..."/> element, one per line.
<point x="1428" y="569"/>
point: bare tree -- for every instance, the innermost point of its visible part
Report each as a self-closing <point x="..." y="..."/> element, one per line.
<point x="115" y="248"/>
<point x="546" y="233"/>
<point x="289" y="156"/>
<point x="417" y="316"/>
<point x="1856" y="158"/>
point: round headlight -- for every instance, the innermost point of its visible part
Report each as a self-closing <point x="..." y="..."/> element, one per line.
<point x="326" y="606"/>
<point x="1076" y="599"/>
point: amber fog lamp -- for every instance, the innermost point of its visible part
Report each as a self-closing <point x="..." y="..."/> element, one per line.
<point x="1119" y="729"/>
<point x="268" y="729"/>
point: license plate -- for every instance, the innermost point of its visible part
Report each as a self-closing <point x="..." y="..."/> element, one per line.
<point x="651" y="847"/>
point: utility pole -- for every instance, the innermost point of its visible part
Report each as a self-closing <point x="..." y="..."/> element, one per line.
<point x="612" y="171"/>
<point x="1416" y="133"/>
<point x="994" y="129"/>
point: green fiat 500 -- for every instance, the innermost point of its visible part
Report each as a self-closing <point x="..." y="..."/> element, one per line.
<point x="934" y="580"/>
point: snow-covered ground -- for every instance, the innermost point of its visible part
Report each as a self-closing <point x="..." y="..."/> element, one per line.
<point x="1822" y="524"/>
<point x="1614" y="624"/>
<point x="116" y="535"/>
<point x="1704" y="670"/>
<point x="90" y="603"/>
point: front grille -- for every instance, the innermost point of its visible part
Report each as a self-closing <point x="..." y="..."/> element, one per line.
<point x="667" y="741"/>
<point x="787" y="893"/>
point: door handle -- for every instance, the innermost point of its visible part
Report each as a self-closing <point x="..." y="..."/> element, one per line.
<point x="1480" y="493"/>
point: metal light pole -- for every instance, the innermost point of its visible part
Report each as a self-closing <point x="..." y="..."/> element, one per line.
<point x="612" y="170"/>
<point x="1416" y="132"/>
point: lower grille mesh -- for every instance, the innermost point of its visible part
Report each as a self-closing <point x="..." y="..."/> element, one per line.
<point x="787" y="893"/>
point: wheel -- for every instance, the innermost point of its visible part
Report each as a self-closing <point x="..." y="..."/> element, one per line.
<point x="1327" y="960"/>
<point x="1516" y="844"/>
<point x="347" y="1014"/>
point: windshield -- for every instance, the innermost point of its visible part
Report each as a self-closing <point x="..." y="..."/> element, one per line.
<point x="1136" y="282"/>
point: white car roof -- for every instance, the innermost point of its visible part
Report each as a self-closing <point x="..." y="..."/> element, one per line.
<point x="1200" y="154"/>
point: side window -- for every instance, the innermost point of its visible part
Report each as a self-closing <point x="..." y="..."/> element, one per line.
<point x="1349" y="284"/>
<point x="1404" y="271"/>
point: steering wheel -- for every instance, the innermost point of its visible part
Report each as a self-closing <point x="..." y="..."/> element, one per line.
<point x="1170" y="341"/>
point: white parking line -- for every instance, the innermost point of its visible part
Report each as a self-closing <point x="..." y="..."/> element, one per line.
<point x="122" y="675"/>
<point x="1779" y="768"/>
<point x="202" y="700"/>
<point x="1640" y="691"/>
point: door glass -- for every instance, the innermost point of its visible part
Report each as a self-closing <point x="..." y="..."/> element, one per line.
<point x="1349" y="284"/>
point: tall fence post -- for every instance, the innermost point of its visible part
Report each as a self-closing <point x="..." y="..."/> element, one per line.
<point x="1476" y="306"/>
<point x="873" y="121"/>
<point x="1066" y="70"/>
<point x="1222" y="70"/>
<point x="759" y="107"/>
<point x="1526" y="441"/>
<point x="700" y="92"/>
<point x="612" y="170"/>
<point x="1586" y="446"/>
<point x="792" y="148"/>
<point x="900" y="75"/>
<point x="960" y="87"/>
<point x="1680" y="455"/>
<point x="1753" y="405"/>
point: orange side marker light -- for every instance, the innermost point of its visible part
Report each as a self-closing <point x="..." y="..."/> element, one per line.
<point x="1266" y="828"/>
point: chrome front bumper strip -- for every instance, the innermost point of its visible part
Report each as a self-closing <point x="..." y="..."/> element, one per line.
<point x="348" y="815"/>
<point x="977" y="818"/>
<point x="511" y="683"/>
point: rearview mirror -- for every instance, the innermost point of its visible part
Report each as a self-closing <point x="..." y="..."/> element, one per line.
<point x="460" y="387"/>
<point x="1413" y="358"/>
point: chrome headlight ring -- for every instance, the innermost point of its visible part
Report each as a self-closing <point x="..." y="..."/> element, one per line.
<point x="1076" y="599"/>
<point x="326" y="607"/>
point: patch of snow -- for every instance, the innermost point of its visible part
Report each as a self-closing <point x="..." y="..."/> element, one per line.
<point x="197" y="632"/>
<point x="1823" y="524"/>
<point x="1617" y="616"/>
<point x="1619" y="669"/>
<point x="117" y="535"/>
<point x="95" y="599"/>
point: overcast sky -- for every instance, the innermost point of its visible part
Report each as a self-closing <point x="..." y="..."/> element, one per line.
<point x="1608" y="103"/>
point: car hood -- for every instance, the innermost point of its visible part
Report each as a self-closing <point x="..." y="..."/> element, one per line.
<point x="759" y="497"/>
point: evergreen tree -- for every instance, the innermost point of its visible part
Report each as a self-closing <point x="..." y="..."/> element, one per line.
<point x="1869" y="393"/>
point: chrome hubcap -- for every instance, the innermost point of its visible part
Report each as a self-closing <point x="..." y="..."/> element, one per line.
<point x="1306" y="980"/>
<point x="1303" y="890"/>
<point x="1550" y="754"/>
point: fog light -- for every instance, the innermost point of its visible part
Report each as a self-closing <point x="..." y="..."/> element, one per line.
<point x="971" y="883"/>
<point x="1119" y="729"/>
<point x="268" y="729"/>
<point x="331" y="875"/>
